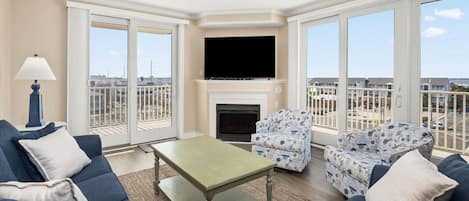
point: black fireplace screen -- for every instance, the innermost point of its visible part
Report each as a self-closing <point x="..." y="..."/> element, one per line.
<point x="237" y="122"/>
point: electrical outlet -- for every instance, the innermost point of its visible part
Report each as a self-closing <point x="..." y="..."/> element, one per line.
<point x="278" y="90"/>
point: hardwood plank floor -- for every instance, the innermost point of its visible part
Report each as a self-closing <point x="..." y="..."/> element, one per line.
<point x="311" y="184"/>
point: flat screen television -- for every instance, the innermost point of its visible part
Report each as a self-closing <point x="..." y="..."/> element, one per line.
<point x="240" y="57"/>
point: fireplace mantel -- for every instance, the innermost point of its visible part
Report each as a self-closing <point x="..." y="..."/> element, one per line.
<point x="268" y="94"/>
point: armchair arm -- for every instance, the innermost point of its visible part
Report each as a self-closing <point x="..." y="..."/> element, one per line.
<point x="378" y="172"/>
<point x="391" y="156"/>
<point x="262" y="126"/>
<point x="424" y="145"/>
<point x="90" y="144"/>
<point x="361" y="141"/>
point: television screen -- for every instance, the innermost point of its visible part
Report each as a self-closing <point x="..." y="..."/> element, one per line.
<point x="240" y="57"/>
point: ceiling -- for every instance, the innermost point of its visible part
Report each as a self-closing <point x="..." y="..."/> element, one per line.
<point x="201" y="7"/>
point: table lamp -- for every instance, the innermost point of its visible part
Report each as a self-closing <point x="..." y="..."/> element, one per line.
<point x="35" y="68"/>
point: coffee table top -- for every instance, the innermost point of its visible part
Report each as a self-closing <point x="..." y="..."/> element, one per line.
<point x="209" y="163"/>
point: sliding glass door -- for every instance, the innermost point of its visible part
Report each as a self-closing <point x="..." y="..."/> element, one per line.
<point x="108" y="81"/>
<point x="444" y="69"/>
<point x="349" y="64"/>
<point x="370" y="69"/>
<point x="131" y="81"/>
<point x="323" y="71"/>
<point x="155" y="83"/>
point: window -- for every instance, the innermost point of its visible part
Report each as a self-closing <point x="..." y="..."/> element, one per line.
<point x="154" y="58"/>
<point x="370" y="69"/>
<point x="323" y="72"/>
<point x="108" y="83"/>
<point x="445" y="72"/>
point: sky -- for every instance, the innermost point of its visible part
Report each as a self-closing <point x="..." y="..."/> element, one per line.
<point x="108" y="53"/>
<point x="445" y="43"/>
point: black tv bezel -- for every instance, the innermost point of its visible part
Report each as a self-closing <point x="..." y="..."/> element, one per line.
<point x="246" y="77"/>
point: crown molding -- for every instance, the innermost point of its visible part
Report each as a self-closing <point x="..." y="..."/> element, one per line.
<point x="311" y="6"/>
<point x="240" y="24"/>
<point x="124" y="13"/>
<point x="140" y="7"/>
<point x="158" y="10"/>
<point x="240" y="12"/>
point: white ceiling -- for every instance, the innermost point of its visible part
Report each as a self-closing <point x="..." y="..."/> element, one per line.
<point x="197" y="7"/>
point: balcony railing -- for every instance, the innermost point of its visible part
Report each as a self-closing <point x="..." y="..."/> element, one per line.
<point x="446" y="115"/>
<point x="108" y="105"/>
<point x="367" y="107"/>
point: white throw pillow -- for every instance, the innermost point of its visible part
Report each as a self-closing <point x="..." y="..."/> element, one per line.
<point x="57" y="155"/>
<point x="54" y="190"/>
<point x="411" y="178"/>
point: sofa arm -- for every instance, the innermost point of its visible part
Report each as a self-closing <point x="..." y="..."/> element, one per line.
<point x="378" y="172"/>
<point x="7" y="200"/>
<point x="90" y="144"/>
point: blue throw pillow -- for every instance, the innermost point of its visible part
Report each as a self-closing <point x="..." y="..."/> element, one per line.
<point x="50" y="128"/>
<point x="6" y="174"/>
<point x="457" y="169"/>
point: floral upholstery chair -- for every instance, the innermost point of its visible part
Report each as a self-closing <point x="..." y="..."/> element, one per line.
<point x="285" y="137"/>
<point x="349" y="165"/>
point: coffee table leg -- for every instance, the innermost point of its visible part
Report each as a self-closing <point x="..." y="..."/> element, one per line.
<point x="157" y="175"/>
<point x="269" y="186"/>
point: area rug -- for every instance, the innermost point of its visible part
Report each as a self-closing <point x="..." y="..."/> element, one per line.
<point x="139" y="187"/>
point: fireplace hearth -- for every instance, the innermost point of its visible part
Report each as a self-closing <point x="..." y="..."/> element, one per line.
<point x="236" y="122"/>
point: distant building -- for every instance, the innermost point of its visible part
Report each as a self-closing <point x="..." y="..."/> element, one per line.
<point x="104" y="81"/>
<point x="440" y="84"/>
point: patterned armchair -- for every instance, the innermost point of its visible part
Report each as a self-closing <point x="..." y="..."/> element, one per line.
<point x="349" y="165"/>
<point x="285" y="137"/>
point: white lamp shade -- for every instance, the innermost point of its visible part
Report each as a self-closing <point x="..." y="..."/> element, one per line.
<point x="35" y="68"/>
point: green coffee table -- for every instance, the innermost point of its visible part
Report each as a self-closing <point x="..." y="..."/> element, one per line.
<point x="209" y="170"/>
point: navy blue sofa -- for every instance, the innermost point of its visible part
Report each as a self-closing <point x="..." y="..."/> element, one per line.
<point x="97" y="181"/>
<point x="453" y="167"/>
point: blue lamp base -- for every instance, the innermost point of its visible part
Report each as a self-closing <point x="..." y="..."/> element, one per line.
<point x="35" y="107"/>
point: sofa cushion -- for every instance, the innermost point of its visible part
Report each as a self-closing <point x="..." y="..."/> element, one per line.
<point x="97" y="167"/>
<point x="292" y="143"/>
<point x="6" y="174"/>
<point x="456" y="168"/>
<point x="355" y="164"/>
<point x="103" y="188"/>
<point x="20" y="164"/>
<point x="48" y="129"/>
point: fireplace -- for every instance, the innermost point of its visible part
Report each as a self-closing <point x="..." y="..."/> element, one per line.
<point x="236" y="122"/>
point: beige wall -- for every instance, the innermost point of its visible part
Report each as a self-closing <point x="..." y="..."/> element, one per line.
<point x="5" y="58"/>
<point x="40" y="26"/>
<point x="193" y="62"/>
